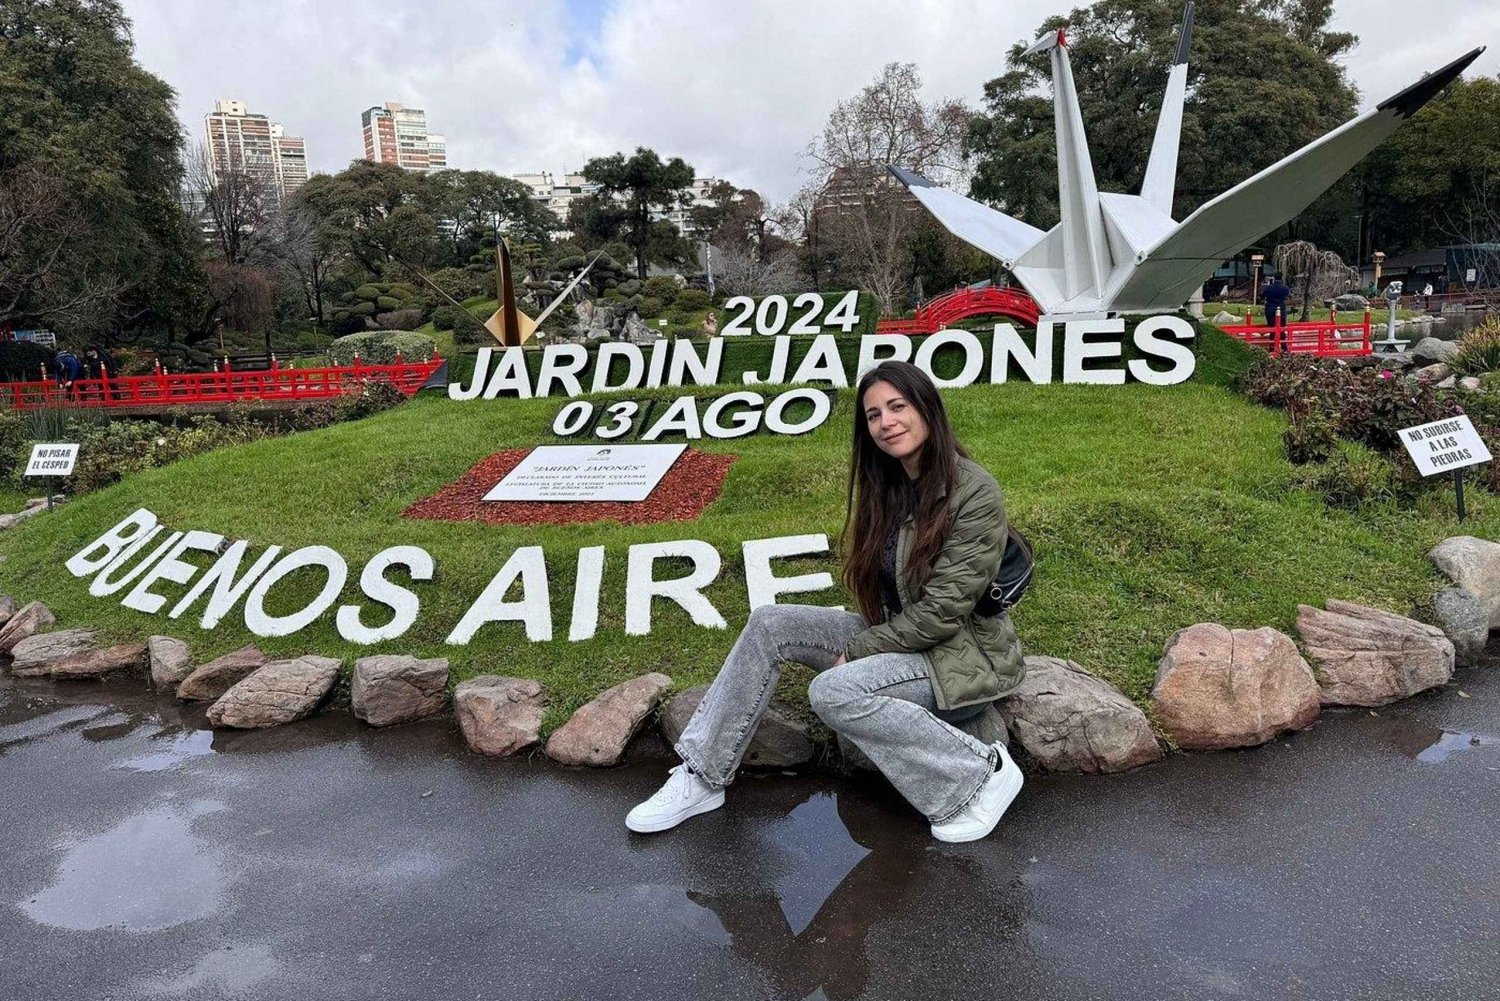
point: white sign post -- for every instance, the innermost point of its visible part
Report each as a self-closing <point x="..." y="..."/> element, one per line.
<point x="1448" y="445"/>
<point x="51" y="459"/>
<point x="587" y="473"/>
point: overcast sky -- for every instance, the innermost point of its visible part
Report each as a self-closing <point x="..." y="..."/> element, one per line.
<point x="737" y="89"/>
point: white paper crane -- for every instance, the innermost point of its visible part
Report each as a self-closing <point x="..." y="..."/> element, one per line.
<point x="1115" y="253"/>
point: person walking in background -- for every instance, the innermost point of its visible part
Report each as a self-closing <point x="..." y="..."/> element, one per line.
<point x="924" y="536"/>
<point x="1276" y="294"/>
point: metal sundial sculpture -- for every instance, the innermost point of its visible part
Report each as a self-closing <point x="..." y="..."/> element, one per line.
<point x="1115" y="253"/>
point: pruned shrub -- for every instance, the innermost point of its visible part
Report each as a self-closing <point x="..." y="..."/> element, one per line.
<point x="380" y="347"/>
<point x="661" y="287"/>
<point x="691" y="300"/>
<point x="401" y="319"/>
<point x="1479" y="350"/>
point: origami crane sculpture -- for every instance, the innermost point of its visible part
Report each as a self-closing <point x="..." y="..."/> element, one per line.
<point x="1116" y="253"/>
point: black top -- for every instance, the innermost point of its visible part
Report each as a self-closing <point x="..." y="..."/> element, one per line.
<point x="890" y="596"/>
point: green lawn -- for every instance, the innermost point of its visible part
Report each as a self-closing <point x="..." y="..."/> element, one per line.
<point x="1150" y="509"/>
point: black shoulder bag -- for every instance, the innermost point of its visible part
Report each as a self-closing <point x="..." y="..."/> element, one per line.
<point x="1016" y="566"/>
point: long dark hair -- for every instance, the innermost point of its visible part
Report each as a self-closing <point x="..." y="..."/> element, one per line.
<point x="876" y="500"/>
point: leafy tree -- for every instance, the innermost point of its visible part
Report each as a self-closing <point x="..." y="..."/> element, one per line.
<point x="1437" y="179"/>
<point x="80" y="113"/>
<point x="1263" y="81"/>
<point x="642" y="183"/>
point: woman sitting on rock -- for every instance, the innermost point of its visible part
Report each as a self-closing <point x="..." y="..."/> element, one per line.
<point x="923" y="538"/>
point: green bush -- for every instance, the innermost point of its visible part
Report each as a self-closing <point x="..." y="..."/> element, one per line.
<point x="691" y="300"/>
<point x="15" y="444"/>
<point x="442" y="318"/>
<point x="1352" y="475"/>
<point x="22" y="361"/>
<point x="650" y="307"/>
<point x="387" y="302"/>
<point x="379" y="347"/>
<point x="365" y="292"/>
<point x="661" y="287"/>
<point x="1310" y="438"/>
<point x="631" y="287"/>
<point x="1479" y="350"/>
<point x="469" y="332"/>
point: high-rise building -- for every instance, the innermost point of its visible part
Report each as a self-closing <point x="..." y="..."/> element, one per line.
<point x="398" y="134"/>
<point x="255" y="145"/>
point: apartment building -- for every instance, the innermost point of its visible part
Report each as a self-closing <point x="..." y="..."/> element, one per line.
<point x="397" y="134"/>
<point x="239" y="140"/>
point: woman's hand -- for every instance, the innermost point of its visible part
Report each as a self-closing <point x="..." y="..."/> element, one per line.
<point x="841" y="660"/>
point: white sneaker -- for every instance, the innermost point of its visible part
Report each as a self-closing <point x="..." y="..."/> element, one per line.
<point x="684" y="795"/>
<point x="985" y="810"/>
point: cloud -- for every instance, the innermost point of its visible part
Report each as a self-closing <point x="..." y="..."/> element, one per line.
<point x="736" y="89"/>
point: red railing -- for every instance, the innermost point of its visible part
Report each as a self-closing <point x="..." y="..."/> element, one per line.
<point x="1323" y="338"/>
<point x="962" y="303"/>
<point x="273" y="385"/>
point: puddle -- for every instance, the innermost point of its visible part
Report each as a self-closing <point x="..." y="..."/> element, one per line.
<point x="173" y="751"/>
<point x="1453" y="741"/>
<point x="146" y="873"/>
<point x="827" y="854"/>
<point x="226" y="972"/>
<point x="47" y="723"/>
<point x="1429" y="744"/>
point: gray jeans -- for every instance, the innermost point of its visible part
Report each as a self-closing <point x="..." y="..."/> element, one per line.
<point x="883" y="703"/>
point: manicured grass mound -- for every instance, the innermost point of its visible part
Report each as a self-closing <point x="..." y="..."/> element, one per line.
<point x="1150" y="509"/>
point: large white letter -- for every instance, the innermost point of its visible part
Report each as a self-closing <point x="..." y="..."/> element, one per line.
<point x="534" y="608"/>
<point x="510" y="374"/>
<point x="586" y="593"/>
<point x="821" y="407"/>
<point x="635" y="364"/>
<point x="171" y="568"/>
<point x="481" y="371"/>
<point x="681" y="415"/>
<point x="1077" y="350"/>
<point x="763" y="585"/>
<point x="685" y="358"/>
<point x="741" y="423"/>
<point x="88" y="559"/>
<point x="1162" y="336"/>
<point x="822" y="363"/>
<point x="640" y="587"/>
<point x="103" y="584"/>
<point x="870" y="354"/>
<point x="561" y="362"/>
<point x="973" y="357"/>
<point x="261" y="624"/>
<point x="227" y="590"/>
<point x="400" y="600"/>
<point x="1007" y="344"/>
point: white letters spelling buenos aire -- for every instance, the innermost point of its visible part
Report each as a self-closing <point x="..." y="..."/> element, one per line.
<point x="141" y="557"/>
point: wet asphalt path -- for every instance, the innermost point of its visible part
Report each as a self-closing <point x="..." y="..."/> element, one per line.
<point x="147" y="858"/>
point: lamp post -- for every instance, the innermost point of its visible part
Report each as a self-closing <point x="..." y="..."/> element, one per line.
<point x="1256" y="260"/>
<point x="1379" y="258"/>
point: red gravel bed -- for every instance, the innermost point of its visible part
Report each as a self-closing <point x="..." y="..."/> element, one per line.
<point x="693" y="483"/>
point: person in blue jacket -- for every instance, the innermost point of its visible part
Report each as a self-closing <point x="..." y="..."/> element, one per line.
<point x="68" y="370"/>
<point x="1276" y="294"/>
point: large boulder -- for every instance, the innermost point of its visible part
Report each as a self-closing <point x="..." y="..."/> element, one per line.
<point x="12" y="520"/>
<point x="1436" y="373"/>
<point x="171" y="662"/>
<point x="598" y="733"/>
<point x="281" y="691"/>
<point x="1465" y="621"/>
<point x="499" y="716"/>
<point x="212" y="680"/>
<point x="1368" y="657"/>
<point x="7" y="608"/>
<point x="30" y="656"/>
<point x="1070" y="720"/>
<point x="1350" y="301"/>
<point x="780" y="741"/>
<point x="30" y="620"/>
<point x="1218" y="688"/>
<point x="1431" y="350"/>
<point x="394" y="688"/>
<point x="1472" y="564"/>
<point x="99" y="662"/>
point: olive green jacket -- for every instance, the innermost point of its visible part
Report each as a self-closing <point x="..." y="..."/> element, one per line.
<point x="972" y="658"/>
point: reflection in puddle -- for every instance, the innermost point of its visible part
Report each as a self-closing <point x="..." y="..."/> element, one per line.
<point x="147" y="872"/>
<point x="1450" y="742"/>
<point x="40" y="726"/>
<point x="225" y="972"/>
<point x="178" y="747"/>
<point x="826" y="853"/>
<point x="1430" y="744"/>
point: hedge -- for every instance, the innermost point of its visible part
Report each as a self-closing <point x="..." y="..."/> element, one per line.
<point x="379" y="347"/>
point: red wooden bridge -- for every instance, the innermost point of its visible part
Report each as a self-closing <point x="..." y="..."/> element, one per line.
<point x="1328" y="338"/>
<point x="962" y="303"/>
<point x="275" y="385"/>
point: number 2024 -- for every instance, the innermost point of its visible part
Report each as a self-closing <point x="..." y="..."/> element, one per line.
<point x="773" y="311"/>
